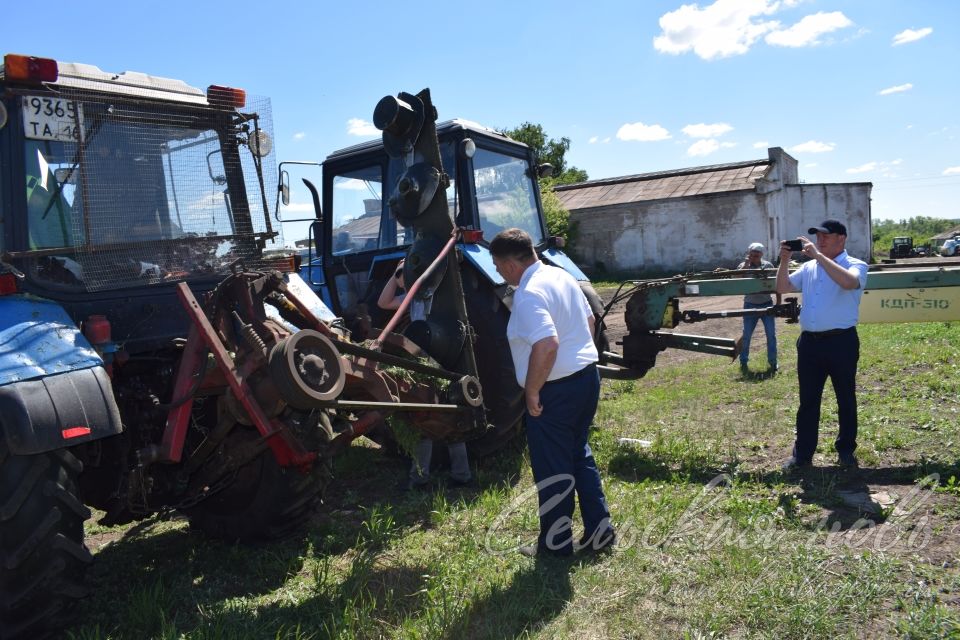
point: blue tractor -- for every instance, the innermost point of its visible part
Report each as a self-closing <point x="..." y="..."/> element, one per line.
<point x="147" y="350"/>
<point x="372" y="216"/>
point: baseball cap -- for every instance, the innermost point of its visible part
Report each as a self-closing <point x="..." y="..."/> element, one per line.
<point x="829" y="226"/>
<point x="755" y="246"/>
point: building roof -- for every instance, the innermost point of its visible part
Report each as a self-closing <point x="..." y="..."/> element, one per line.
<point x="946" y="235"/>
<point x="694" y="181"/>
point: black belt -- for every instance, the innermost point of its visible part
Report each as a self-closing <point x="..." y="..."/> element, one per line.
<point x="828" y="332"/>
<point x="590" y="367"/>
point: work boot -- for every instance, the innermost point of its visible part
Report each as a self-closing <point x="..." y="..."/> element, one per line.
<point x="605" y="541"/>
<point x="793" y="464"/>
<point x="847" y="460"/>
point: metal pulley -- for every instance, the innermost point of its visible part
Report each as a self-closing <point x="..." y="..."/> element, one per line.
<point x="306" y="369"/>
<point x="466" y="391"/>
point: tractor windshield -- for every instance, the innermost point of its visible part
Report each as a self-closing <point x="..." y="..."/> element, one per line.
<point x="505" y="194"/>
<point x="130" y="196"/>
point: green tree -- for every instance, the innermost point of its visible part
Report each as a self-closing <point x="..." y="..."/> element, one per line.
<point x="920" y="228"/>
<point x="548" y="150"/>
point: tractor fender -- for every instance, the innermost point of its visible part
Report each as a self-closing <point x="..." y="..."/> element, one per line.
<point x="54" y="390"/>
<point x="559" y="259"/>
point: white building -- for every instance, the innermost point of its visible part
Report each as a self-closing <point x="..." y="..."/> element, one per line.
<point x="705" y="217"/>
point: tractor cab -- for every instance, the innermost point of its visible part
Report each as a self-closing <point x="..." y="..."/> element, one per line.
<point x="120" y="182"/>
<point x="355" y="249"/>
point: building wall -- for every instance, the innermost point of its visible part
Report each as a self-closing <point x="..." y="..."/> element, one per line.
<point x="710" y="231"/>
<point x="681" y="234"/>
<point x="807" y="205"/>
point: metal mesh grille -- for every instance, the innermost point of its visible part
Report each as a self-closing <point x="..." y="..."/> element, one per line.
<point x="128" y="192"/>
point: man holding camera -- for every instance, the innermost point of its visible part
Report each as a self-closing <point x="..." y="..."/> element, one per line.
<point x="832" y="284"/>
<point x="755" y="260"/>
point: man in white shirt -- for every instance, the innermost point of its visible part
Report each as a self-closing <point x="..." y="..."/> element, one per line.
<point x="551" y="341"/>
<point x="832" y="284"/>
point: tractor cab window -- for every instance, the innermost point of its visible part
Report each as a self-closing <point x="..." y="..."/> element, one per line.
<point x="505" y="194"/>
<point x="358" y="210"/>
<point x="134" y="197"/>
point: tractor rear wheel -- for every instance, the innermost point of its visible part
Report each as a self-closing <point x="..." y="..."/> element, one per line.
<point x="264" y="501"/>
<point x="42" y="556"/>
<point x="502" y="396"/>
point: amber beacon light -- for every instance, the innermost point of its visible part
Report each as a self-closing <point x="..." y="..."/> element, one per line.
<point x="29" y="68"/>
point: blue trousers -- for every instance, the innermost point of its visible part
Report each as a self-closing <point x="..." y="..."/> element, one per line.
<point x="818" y="357"/>
<point x="769" y="328"/>
<point x="563" y="462"/>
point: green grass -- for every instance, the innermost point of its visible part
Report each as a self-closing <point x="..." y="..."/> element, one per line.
<point x="715" y="541"/>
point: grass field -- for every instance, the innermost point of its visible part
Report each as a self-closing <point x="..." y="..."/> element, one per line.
<point x="715" y="540"/>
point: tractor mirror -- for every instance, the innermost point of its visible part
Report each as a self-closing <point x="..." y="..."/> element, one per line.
<point x="285" y="187"/>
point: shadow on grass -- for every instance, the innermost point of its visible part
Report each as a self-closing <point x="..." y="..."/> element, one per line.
<point x="844" y="493"/>
<point x="637" y="465"/>
<point x="537" y="594"/>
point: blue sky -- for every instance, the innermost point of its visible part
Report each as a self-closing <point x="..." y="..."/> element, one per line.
<point x="857" y="91"/>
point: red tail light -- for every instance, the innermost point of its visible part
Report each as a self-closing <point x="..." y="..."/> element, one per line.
<point x="226" y="96"/>
<point x="29" y="68"/>
<point x="75" y="432"/>
<point x="8" y="284"/>
<point x="286" y="264"/>
<point x="472" y="236"/>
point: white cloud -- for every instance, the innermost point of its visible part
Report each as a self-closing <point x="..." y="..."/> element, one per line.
<point x="911" y="35"/>
<point x="359" y="127"/>
<point x="951" y="171"/>
<point x="707" y="130"/>
<point x="606" y="140"/>
<point x="708" y="146"/>
<point x="642" y="132"/>
<point x="864" y="168"/>
<point x="730" y="27"/>
<point x="593" y="140"/>
<point x="814" y="146"/>
<point x="352" y="184"/>
<point x="298" y="207"/>
<point x="724" y="28"/>
<point x="807" y="32"/>
<point x="900" y="88"/>
<point x="703" y="147"/>
<point x="299" y="135"/>
<point x="810" y="165"/>
<point x="884" y="167"/>
<point x="763" y="144"/>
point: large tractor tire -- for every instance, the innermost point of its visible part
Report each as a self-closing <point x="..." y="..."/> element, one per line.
<point x="264" y="501"/>
<point x="502" y="396"/>
<point x="42" y="556"/>
<point x="600" y="331"/>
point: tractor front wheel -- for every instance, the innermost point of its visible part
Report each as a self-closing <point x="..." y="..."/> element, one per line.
<point x="264" y="501"/>
<point x="42" y="556"/>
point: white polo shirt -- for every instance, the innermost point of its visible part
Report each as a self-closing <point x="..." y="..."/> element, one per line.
<point x="827" y="305"/>
<point x="548" y="302"/>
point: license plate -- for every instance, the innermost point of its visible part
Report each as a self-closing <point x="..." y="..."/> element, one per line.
<point x="52" y="119"/>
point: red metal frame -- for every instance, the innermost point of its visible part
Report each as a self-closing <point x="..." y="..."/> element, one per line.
<point x="286" y="448"/>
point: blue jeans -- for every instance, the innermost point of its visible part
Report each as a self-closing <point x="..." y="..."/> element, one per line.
<point x="420" y="466"/>
<point x="769" y="328"/>
<point x="562" y="461"/>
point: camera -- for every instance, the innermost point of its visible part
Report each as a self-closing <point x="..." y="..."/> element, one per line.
<point x="794" y="245"/>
